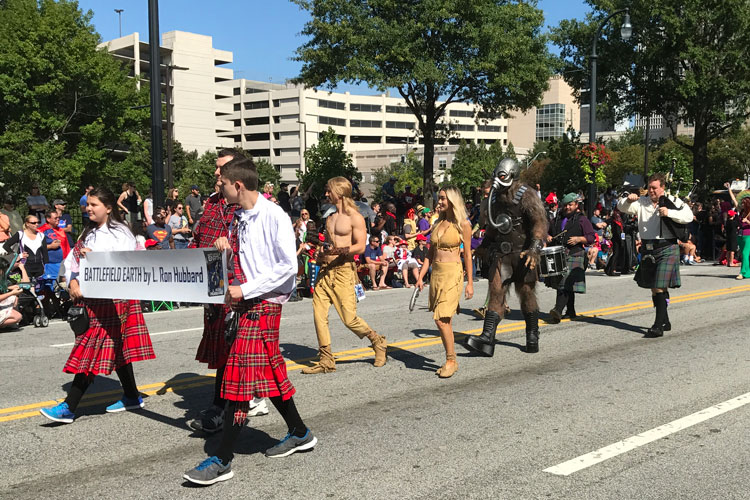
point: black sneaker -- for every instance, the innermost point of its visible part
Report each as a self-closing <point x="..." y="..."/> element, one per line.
<point x="210" y="471"/>
<point x="291" y="444"/>
<point x="210" y="421"/>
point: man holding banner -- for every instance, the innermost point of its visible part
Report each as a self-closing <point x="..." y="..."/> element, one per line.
<point x="213" y="350"/>
<point x="264" y="262"/>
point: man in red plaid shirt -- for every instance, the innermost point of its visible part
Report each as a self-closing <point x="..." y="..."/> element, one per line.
<point x="214" y="224"/>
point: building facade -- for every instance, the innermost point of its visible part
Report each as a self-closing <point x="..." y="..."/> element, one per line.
<point x="278" y="122"/>
<point x="192" y="72"/>
<point x="551" y="120"/>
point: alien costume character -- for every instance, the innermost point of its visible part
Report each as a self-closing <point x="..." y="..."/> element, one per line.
<point x="517" y="224"/>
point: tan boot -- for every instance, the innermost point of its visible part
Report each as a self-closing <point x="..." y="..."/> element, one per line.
<point x="326" y="363"/>
<point x="380" y="347"/>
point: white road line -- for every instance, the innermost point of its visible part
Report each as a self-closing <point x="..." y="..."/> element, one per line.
<point x="70" y="344"/>
<point x="602" y="454"/>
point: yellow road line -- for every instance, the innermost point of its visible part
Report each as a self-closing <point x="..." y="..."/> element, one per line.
<point x="161" y="388"/>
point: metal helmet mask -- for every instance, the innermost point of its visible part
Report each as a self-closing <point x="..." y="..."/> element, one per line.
<point x="505" y="172"/>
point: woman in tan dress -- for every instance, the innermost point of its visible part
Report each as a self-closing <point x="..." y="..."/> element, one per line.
<point x="450" y="230"/>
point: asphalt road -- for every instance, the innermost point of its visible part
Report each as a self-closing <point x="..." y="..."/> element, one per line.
<point x="651" y="418"/>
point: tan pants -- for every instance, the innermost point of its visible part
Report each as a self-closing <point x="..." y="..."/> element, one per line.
<point x="335" y="286"/>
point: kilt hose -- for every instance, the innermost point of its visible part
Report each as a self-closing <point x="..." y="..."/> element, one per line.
<point x="117" y="335"/>
<point x="665" y="271"/>
<point x="574" y="280"/>
<point x="213" y="348"/>
<point x="255" y="367"/>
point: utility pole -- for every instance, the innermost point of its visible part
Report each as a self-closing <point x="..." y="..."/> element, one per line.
<point x="119" y="16"/>
<point x="157" y="151"/>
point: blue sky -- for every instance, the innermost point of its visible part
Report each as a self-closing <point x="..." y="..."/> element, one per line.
<point x="262" y="34"/>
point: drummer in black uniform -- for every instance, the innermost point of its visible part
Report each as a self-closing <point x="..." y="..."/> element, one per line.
<point x="572" y="230"/>
<point x="660" y="219"/>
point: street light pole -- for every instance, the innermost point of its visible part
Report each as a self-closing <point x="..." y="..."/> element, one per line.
<point x="529" y="162"/>
<point x="626" y="30"/>
<point x="119" y="16"/>
<point x="157" y="148"/>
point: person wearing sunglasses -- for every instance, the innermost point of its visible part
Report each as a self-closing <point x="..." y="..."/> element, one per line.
<point x="31" y="247"/>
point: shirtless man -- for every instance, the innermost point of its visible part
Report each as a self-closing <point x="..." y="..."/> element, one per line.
<point x="346" y="237"/>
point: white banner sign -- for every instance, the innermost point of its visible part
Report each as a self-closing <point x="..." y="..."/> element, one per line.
<point x="194" y="275"/>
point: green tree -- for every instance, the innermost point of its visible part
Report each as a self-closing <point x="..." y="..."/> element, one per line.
<point x="625" y="160"/>
<point x="193" y="170"/>
<point x="325" y="160"/>
<point x="692" y="65"/>
<point x="662" y="162"/>
<point x="563" y="173"/>
<point x="267" y="173"/>
<point x="729" y="157"/>
<point x="65" y="107"/>
<point x="410" y="172"/>
<point x="472" y="165"/>
<point x="433" y="52"/>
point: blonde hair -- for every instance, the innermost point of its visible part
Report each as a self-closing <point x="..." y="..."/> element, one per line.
<point x="342" y="188"/>
<point x="458" y="207"/>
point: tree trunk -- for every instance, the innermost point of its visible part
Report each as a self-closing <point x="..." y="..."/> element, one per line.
<point x="428" y="185"/>
<point x="700" y="155"/>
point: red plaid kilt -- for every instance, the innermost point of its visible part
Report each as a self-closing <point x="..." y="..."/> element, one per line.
<point x="255" y="367"/>
<point x="117" y="335"/>
<point x="213" y="348"/>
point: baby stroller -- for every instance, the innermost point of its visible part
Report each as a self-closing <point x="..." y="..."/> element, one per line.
<point x="29" y="302"/>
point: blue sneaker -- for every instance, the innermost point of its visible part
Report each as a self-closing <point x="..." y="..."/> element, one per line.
<point x="60" y="413"/>
<point x="210" y="471"/>
<point x="291" y="444"/>
<point x="126" y="404"/>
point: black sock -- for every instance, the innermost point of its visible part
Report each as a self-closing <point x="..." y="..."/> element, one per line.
<point x="229" y="434"/>
<point x="127" y="379"/>
<point x="218" y="400"/>
<point x="289" y="413"/>
<point x="661" y="309"/>
<point x="562" y="300"/>
<point x="571" y="303"/>
<point x="81" y="382"/>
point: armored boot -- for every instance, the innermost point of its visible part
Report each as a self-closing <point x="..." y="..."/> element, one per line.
<point x="485" y="343"/>
<point x="380" y="347"/>
<point x="660" y="302"/>
<point x="532" y="331"/>
<point x="326" y="364"/>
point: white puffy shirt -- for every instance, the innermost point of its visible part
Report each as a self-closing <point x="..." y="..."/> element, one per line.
<point x="103" y="239"/>
<point x="268" y="253"/>
<point x="649" y="221"/>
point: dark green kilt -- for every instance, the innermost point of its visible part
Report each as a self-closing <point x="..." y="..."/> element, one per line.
<point x="659" y="268"/>
<point x="574" y="280"/>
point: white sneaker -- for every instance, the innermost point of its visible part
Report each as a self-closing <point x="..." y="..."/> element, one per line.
<point x="258" y="408"/>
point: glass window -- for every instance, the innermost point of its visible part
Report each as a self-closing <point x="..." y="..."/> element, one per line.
<point x="331" y="104"/>
<point x="371" y="108"/>
<point x="403" y="125"/>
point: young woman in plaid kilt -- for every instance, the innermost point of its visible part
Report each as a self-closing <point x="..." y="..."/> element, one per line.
<point x="117" y="335"/>
<point x="264" y="262"/>
<point x="660" y="254"/>
<point x="573" y="230"/>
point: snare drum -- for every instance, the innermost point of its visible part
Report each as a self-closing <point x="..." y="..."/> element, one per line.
<point x="553" y="261"/>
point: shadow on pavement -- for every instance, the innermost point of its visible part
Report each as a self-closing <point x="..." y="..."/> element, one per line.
<point x="196" y="391"/>
<point x="612" y="323"/>
<point x="296" y="351"/>
<point x="412" y="360"/>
